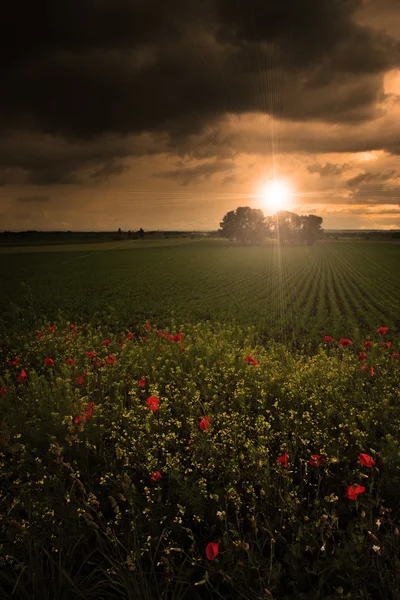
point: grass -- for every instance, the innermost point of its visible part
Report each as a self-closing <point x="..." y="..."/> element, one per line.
<point x="83" y="511"/>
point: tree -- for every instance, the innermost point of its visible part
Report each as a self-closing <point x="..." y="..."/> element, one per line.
<point x="311" y="229"/>
<point x="246" y="225"/>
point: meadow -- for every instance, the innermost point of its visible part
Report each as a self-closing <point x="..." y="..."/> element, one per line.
<point x="193" y="419"/>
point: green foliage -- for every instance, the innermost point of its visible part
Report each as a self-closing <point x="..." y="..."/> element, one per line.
<point x="81" y="516"/>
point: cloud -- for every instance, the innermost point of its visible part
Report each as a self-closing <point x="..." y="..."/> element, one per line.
<point x="109" y="169"/>
<point x="190" y="174"/>
<point x="32" y="199"/>
<point x="328" y="170"/>
<point x="368" y="177"/>
<point x="119" y="66"/>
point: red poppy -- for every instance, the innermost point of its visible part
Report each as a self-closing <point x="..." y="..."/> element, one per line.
<point x="49" y="362"/>
<point x="67" y="340"/>
<point x="52" y="328"/>
<point x="249" y="359"/>
<point x="90" y="354"/>
<point x="156" y="476"/>
<point x="395" y="355"/>
<point x="366" y="460"/>
<point x="76" y="331"/>
<point x="382" y="330"/>
<point x="22" y="376"/>
<point x="79" y="380"/>
<point x="129" y="336"/>
<point x="105" y="343"/>
<point x="144" y="338"/>
<point x="39" y="334"/>
<point x="212" y="550"/>
<point x="345" y="342"/>
<point x="386" y="344"/>
<point x="71" y="326"/>
<point x="204" y="423"/>
<point x="354" y="490"/>
<point x="283" y="460"/>
<point x="371" y="371"/>
<point x="70" y="361"/>
<point x="362" y="356"/>
<point x="148" y="327"/>
<point x="177" y="338"/>
<point x="3" y="391"/>
<point x="89" y="413"/>
<point x="153" y="403"/>
<point x="110" y="359"/>
<point x="142" y="382"/>
<point x="122" y="343"/>
<point x="328" y="339"/>
<point x="316" y="460"/>
<point x="367" y="345"/>
<point x="14" y="362"/>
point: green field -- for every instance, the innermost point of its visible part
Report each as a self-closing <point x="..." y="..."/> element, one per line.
<point x="291" y="294"/>
<point x="173" y="425"/>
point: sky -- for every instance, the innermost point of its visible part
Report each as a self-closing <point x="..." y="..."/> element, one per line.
<point x="166" y="115"/>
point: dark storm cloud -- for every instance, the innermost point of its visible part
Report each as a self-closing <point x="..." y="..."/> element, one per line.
<point x="86" y="69"/>
<point x="189" y="174"/>
<point x="123" y="66"/>
<point x="32" y="199"/>
<point x="329" y="169"/>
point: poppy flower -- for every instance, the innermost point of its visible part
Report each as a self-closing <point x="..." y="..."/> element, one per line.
<point x="3" y="391"/>
<point x="76" y="331"/>
<point x="70" y="361"/>
<point x="367" y="345"/>
<point x="366" y="460"/>
<point x="39" y="334"/>
<point x="129" y="336"/>
<point x="345" y="342"/>
<point x="110" y="359"/>
<point x="52" y="328"/>
<point x="212" y="550"/>
<point x="49" y="362"/>
<point x="316" y="460"/>
<point x="68" y="340"/>
<point x="144" y="338"/>
<point x="177" y="338"/>
<point x="142" y="382"/>
<point x="71" y="326"/>
<point x="105" y="343"/>
<point x="382" y="330"/>
<point x="14" y="362"/>
<point x="79" y="380"/>
<point x="386" y="344"/>
<point x="204" y="423"/>
<point x="153" y="403"/>
<point x="395" y="355"/>
<point x="90" y="354"/>
<point x="22" y="376"/>
<point x="148" y="327"/>
<point x="328" y="339"/>
<point x="89" y="413"/>
<point x="156" y="476"/>
<point x="371" y="371"/>
<point x="252" y="361"/>
<point x="283" y="460"/>
<point x="362" y="356"/>
<point x="353" y="491"/>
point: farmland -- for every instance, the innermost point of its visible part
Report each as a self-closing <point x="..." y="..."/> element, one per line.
<point x="293" y="294"/>
<point x="180" y="420"/>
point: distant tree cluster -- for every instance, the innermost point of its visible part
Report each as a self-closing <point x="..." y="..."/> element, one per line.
<point x="249" y="226"/>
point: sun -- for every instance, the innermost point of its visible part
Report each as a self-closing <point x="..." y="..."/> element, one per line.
<point x="276" y="196"/>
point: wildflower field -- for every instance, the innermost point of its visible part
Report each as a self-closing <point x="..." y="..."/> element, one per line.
<point x="227" y="444"/>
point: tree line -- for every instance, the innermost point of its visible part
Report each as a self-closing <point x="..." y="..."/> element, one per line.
<point x="250" y="226"/>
